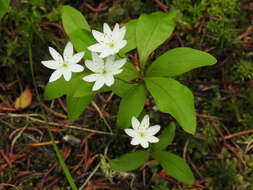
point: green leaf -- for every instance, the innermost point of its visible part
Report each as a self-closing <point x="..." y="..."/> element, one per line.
<point x="81" y="40"/>
<point x="165" y="138"/>
<point x="121" y="88"/>
<point x="56" y="89"/>
<point x="129" y="161"/>
<point x="72" y="20"/>
<point x="179" y="60"/>
<point x="130" y="36"/>
<point x="151" y="31"/>
<point x="132" y="104"/>
<point x="76" y="106"/>
<point x="175" y="166"/>
<point x="4" y="4"/>
<point x="174" y="98"/>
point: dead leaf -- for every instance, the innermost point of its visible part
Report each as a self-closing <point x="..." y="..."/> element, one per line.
<point x="24" y="100"/>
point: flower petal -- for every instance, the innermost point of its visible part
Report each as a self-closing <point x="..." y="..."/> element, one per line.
<point x="97" y="59"/>
<point x="93" y="66"/>
<point x="96" y="47"/>
<point x="122" y="33"/>
<point x="76" y="68"/>
<point x="152" y="139"/>
<point x="107" y="29"/>
<point x="145" y="122"/>
<point x="98" y="84"/>
<point x="122" y="44"/>
<point x="109" y="80"/>
<point x="51" y="64"/>
<point x="68" y="51"/>
<point x="67" y="75"/>
<point x="116" y="30"/>
<point x="135" y="141"/>
<point x="153" y="129"/>
<point x="135" y="123"/>
<point x="91" y="78"/>
<point x="76" y="58"/>
<point x="98" y="35"/>
<point x="130" y="132"/>
<point x="144" y="144"/>
<point x="55" y="75"/>
<point x="119" y="63"/>
<point x="56" y="56"/>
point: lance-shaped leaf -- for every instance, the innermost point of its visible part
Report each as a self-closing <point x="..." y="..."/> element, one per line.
<point x="76" y="106"/>
<point x="174" y="166"/>
<point x="56" y="89"/>
<point x="72" y="20"/>
<point x="165" y="138"/>
<point x="130" y="36"/>
<point x="129" y="161"/>
<point x="4" y="4"/>
<point x="132" y="104"/>
<point x="179" y="60"/>
<point x="174" y="98"/>
<point x="151" y="31"/>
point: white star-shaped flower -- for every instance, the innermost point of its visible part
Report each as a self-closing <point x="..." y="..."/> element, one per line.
<point x="109" y="42"/>
<point x="64" y="65"/>
<point x="104" y="71"/>
<point x="143" y="134"/>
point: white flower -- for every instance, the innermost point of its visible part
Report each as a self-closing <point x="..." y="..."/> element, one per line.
<point x="143" y="134"/>
<point x="104" y="72"/>
<point x="64" y="65"/>
<point x="109" y="42"/>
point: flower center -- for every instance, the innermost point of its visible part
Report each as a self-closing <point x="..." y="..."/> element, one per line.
<point x="104" y="72"/>
<point x="142" y="134"/>
<point x="65" y="64"/>
<point x="111" y="45"/>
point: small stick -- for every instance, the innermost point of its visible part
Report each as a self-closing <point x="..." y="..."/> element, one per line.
<point x="54" y="112"/>
<point x="204" y="116"/>
<point x="236" y="134"/>
<point x="43" y="143"/>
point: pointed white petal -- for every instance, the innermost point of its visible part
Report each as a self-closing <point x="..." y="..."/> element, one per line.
<point x="152" y="139"/>
<point x="118" y="71"/>
<point x="68" y="51"/>
<point x="55" y="75"/>
<point x="98" y="84"/>
<point x="130" y="132"/>
<point x="67" y="75"/>
<point x="76" y="68"/>
<point x="119" y="63"/>
<point x="116" y="30"/>
<point x="93" y="66"/>
<point x="97" y="59"/>
<point x="91" y="78"/>
<point x="135" y="123"/>
<point x="109" y="62"/>
<point x="144" y="144"/>
<point x="76" y="58"/>
<point x="105" y="54"/>
<point x="122" y="33"/>
<point x="96" y="47"/>
<point x="107" y="29"/>
<point x="98" y="35"/>
<point x="135" y="141"/>
<point x="57" y="57"/>
<point x="122" y="44"/>
<point x="145" y="122"/>
<point x="109" y="80"/>
<point x="153" y="129"/>
<point x="51" y="64"/>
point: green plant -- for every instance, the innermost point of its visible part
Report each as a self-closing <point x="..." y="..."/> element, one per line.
<point x="145" y="33"/>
